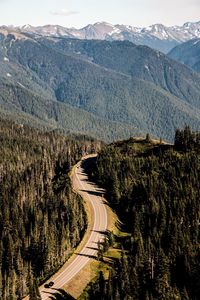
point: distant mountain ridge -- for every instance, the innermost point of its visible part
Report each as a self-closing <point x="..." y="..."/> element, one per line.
<point x="188" y="53"/>
<point x="156" y="36"/>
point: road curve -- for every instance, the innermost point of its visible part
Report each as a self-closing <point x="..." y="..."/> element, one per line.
<point x="93" y="195"/>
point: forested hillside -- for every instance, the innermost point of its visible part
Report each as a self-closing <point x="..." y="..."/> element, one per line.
<point x="109" y="90"/>
<point x="155" y="190"/>
<point x="27" y="107"/>
<point x="41" y="219"/>
<point x="136" y="61"/>
<point x="188" y="53"/>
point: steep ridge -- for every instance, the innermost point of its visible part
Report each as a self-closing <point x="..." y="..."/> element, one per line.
<point x="188" y="53"/>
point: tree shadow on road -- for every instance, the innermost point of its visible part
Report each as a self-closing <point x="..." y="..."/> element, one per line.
<point x="59" y="294"/>
<point x="87" y="255"/>
<point x="108" y="260"/>
<point x="103" y="232"/>
<point x="93" y="193"/>
<point x="92" y="248"/>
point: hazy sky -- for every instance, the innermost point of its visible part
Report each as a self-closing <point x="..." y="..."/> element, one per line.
<point x="78" y="13"/>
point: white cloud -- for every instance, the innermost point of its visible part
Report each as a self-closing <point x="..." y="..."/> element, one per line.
<point x="64" y="12"/>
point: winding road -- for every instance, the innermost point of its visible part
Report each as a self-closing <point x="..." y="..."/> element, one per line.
<point x="92" y="194"/>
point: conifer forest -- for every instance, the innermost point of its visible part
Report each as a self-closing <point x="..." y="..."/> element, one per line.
<point x="41" y="219"/>
<point x="155" y="190"/>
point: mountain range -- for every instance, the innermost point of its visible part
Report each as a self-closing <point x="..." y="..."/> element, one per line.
<point x="156" y="36"/>
<point x="107" y="89"/>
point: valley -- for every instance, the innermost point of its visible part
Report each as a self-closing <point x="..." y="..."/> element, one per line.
<point x="99" y="88"/>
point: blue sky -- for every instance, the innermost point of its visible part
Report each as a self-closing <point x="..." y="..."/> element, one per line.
<point x="78" y="13"/>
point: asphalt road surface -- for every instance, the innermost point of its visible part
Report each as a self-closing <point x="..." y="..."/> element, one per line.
<point x="93" y="195"/>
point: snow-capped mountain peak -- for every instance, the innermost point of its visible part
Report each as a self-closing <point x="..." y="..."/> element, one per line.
<point x="157" y="36"/>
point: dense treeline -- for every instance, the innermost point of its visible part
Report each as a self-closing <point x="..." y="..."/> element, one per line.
<point x="41" y="219"/>
<point x="155" y="189"/>
<point x="186" y="140"/>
